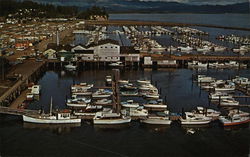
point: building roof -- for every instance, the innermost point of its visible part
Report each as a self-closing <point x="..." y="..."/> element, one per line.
<point x="102" y="42"/>
<point x="128" y="50"/>
<point x="59" y="48"/>
<point x="84" y="51"/>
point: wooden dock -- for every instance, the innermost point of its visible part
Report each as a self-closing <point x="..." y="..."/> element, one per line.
<point x="16" y="112"/>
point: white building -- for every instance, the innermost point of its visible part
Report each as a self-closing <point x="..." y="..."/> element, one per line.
<point x="104" y="50"/>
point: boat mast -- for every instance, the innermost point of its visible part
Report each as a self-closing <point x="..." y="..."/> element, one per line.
<point x="50" y="111"/>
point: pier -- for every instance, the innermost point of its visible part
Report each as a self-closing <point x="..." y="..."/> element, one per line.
<point x="25" y="73"/>
<point x="155" y="23"/>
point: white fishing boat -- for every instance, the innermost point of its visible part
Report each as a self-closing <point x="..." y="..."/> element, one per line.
<point x="79" y="102"/>
<point x="185" y="49"/>
<point x="225" y="88"/>
<point x="138" y="112"/>
<point x="229" y="102"/>
<point x="219" y="49"/>
<point x="116" y="64"/>
<point x="103" y="102"/>
<point x="207" y="112"/>
<point x="238" y="112"/>
<point x="110" y="118"/>
<point x="81" y="87"/>
<point x="108" y="80"/>
<point x="143" y="81"/>
<point x="154" y="105"/>
<point x="129" y="93"/>
<point x="205" y="79"/>
<point x="102" y="93"/>
<point x="151" y="96"/>
<point x="130" y="104"/>
<point x="70" y="66"/>
<point x="52" y="118"/>
<point x="128" y="86"/>
<point x="123" y="81"/>
<point x="77" y="93"/>
<point x="192" y="119"/>
<point x="241" y="80"/>
<point x="204" y="49"/>
<point x="160" y="118"/>
<point x="233" y="120"/>
<point x="219" y="95"/>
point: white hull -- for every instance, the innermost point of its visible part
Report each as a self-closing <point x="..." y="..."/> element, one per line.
<point x="101" y="96"/>
<point x="112" y="121"/>
<point x="76" y="105"/>
<point x="155" y="106"/>
<point x="194" y="122"/>
<point x="156" y="121"/>
<point x="49" y="121"/>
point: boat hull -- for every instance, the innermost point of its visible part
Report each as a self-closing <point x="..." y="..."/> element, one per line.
<point x="49" y="121"/>
<point x="194" y="122"/>
<point x="112" y="121"/>
<point x="156" y="121"/>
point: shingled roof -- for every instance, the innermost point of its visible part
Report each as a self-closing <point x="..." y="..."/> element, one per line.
<point x="102" y="42"/>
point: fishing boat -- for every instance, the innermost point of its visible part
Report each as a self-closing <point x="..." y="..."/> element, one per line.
<point x="90" y="110"/>
<point x="60" y="117"/>
<point x="108" y="80"/>
<point x="129" y="93"/>
<point x="102" y="93"/>
<point x="238" y="112"/>
<point x="229" y="102"/>
<point x="151" y="95"/>
<point x="155" y="105"/>
<point x="207" y="112"/>
<point x="110" y="118"/>
<point x="205" y="79"/>
<point x="159" y="119"/>
<point x="103" y="102"/>
<point x="130" y="104"/>
<point x="129" y="86"/>
<point x="123" y="81"/>
<point x="116" y="64"/>
<point x="70" y="66"/>
<point x="233" y="120"/>
<point x="81" y="87"/>
<point x="225" y="88"/>
<point x="79" y="102"/>
<point x="219" y="95"/>
<point x="192" y="119"/>
<point x="138" y="112"/>
<point x="143" y="81"/>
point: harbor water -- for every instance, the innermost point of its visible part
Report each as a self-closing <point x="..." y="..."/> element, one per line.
<point x="135" y="139"/>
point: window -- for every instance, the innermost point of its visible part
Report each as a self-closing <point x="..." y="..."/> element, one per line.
<point x="106" y="57"/>
<point x="105" y="47"/>
<point x="116" y="47"/>
<point x="101" y="47"/>
<point x="111" y="47"/>
<point x="88" y="57"/>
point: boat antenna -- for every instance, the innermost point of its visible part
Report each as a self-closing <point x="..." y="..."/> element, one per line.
<point x="50" y="111"/>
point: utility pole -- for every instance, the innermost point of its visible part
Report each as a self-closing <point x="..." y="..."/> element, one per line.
<point x="3" y="72"/>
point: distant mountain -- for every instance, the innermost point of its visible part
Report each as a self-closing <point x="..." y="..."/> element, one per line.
<point x="126" y="6"/>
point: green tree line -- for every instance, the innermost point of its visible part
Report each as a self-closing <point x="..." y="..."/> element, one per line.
<point x="47" y="10"/>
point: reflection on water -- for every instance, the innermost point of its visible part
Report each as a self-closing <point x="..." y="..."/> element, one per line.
<point x="55" y="128"/>
<point x="155" y="128"/>
<point x="114" y="127"/>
